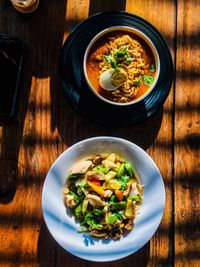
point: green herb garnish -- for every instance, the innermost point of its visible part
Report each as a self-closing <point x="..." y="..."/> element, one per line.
<point x="111" y="61"/>
<point x="152" y="68"/>
<point x="89" y="220"/>
<point x="137" y="82"/>
<point x="148" y="79"/>
<point x="128" y="58"/>
<point x="120" y="53"/>
<point x="99" y="213"/>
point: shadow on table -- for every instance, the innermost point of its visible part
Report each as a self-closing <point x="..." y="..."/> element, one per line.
<point x="59" y="256"/>
<point x="99" y="6"/>
<point x="11" y="139"/>
<point x="42" y="48"/>
<point x="142" y="134"/>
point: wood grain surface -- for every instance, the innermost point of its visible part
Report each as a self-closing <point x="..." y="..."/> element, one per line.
<point x="46" y="125"/>
<point x="187" y="136"/>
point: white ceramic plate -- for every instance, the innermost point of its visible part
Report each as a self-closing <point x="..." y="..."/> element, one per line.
<point x="64" y="228"/>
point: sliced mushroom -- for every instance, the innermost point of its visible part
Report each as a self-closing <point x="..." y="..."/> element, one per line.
<point x="117" y="235"/>
<point x="108" y="193"/>
<point x="104" y="155"/>
<point x="130" y="211"/>
<point x="96" y="159"/>
<point x="106" y="207"/>
<point x="66" y="191"/>
<point x="110" y="165"/>
<point x="95" y="176"/>
<point x="119" y="158"/>
<point x="81" y="166"/>
<point x="95" y="200"/>
<point x="140" y="188"/>
<point x="96" y="233"/>
<point x="134" y="190"/>
<point x="112" y="184"/>
<point x="116" y="232"/>
<point x="110" y="175"/>
<point x="70" y="202"/>
<point x="84" y="206"/>
<point x="111" y="157"/>
<point x="127" y="191"/>
<point x="129" y="225"/>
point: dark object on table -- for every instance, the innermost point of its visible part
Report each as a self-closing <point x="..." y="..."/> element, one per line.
<point x="74" y="84"/>
<point x="11" y="56"/>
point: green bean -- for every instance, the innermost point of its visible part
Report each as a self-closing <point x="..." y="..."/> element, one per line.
<point x="118" y="205"/>
<point x="76" y="197"/>
<point x="101" y="169"/>
<point x="135" y="198"/>
<point x="75" y="176"/>
<point x="131" y="170"/>
<point x="78" y="210"/>
<point x="112" y="218"/>
<point x="120" y="171"/>
<point x="128" y="168"/>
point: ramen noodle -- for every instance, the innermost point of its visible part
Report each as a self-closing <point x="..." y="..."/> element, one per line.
<point x="132" y="61"/>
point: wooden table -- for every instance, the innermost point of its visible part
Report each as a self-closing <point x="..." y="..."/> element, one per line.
<point x="47" y="124"/>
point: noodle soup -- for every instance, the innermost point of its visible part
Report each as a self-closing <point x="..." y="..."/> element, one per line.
<point x="121" y="67"/>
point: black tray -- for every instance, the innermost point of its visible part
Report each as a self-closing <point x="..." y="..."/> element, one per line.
<point x="74" y="84"/>
<point x="11" y="57"/>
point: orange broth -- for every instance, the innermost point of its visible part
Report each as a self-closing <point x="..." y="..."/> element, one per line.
<point x="100" y="47"/>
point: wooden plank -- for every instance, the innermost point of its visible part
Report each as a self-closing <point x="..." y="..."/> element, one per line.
<point x="161" y="246"/>
<point x="76" y="11"/>
<point x="99" y="6"/>
<point x="31" y="141"/>
<point x="187" y="136"/>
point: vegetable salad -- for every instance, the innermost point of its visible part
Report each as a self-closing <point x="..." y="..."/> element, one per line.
<point x="104" y="193"/>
